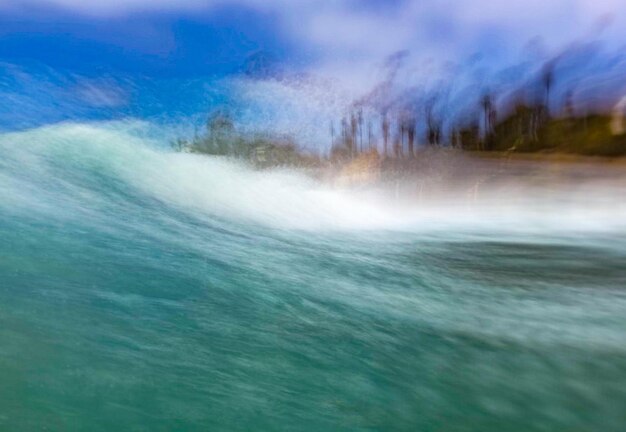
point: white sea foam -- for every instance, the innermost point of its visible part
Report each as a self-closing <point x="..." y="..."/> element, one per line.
<point x="52" y="170"/>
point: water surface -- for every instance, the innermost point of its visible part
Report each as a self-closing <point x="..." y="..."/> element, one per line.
<point x="146" y="290"/>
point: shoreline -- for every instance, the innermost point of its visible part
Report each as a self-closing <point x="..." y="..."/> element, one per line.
<point x="437" y="169"/>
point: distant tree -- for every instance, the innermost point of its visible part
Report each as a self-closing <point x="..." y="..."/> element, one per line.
<point x="353" y="133"/>
<point x="489" y="118"/>
<point x="385" y="129"/>
<point x="493" y="118"/>
<point x="411" y="136"/>
<point x="397" y="144"/>
<point x="454" y="138"/>
<point x="468" y="137"/>
<point x="344" y="131"/>
<point x="547" y="77"/>
<point x="220" y="122"/>
<point x="360" y="123"/>
<point x="487" y="106"/>
<point x="434" y="131"/>
<point x="402" y="127"/>
<point x="221" y="130"/>
<point x="569" y="104"/>
<point x="432" y="124"/>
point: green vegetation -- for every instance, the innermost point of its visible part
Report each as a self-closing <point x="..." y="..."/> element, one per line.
<point x="528" y="130"/>
<point x="262" y="151"/>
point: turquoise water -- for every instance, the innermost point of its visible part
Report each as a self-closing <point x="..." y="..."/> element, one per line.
<point x="144" y="290"/>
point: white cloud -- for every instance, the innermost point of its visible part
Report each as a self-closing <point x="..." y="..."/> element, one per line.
<point x="347" y="39"/>
<point x="342" y="24"/>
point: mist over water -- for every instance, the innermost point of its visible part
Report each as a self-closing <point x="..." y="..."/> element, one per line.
<point x="179" y="291"/>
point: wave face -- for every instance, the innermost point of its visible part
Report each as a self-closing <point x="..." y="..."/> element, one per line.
<point x="147" y="289"/>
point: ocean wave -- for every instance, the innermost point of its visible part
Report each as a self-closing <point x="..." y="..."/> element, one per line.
<point x="91" y="169"/>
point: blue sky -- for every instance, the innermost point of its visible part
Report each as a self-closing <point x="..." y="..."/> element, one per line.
<point x="67" y="59"/>
<point x="199" y="37"/>
<point x="151" y="43"/>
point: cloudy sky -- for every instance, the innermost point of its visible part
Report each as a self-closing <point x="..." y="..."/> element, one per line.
<point x="187" y="37"/>
<point x="107" y="54"/>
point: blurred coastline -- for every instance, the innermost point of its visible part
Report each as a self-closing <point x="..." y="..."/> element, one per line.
<point x="526" y="144"/>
